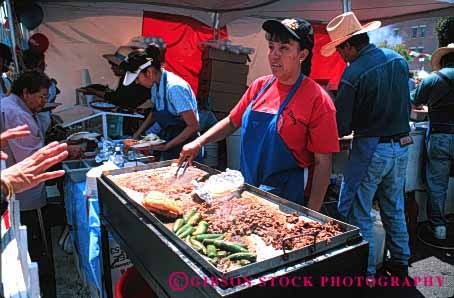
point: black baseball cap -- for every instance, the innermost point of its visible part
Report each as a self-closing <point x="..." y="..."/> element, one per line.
<point x="299" y="29"/>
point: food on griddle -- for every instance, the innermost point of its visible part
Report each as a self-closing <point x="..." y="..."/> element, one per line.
<point x="189" y="214"/>
<point x="229" y="230"/>
<point x="202" y="228"/>
<point x="209" y="236"/>
<point x="197" y="245"/>
<point x="183" y="229"/>
<point x="248" y="215"/>
<point x="159" y="203"/>
<point x="225" y="245"/>
<point x="242" y="256"/>
<point x="177" y="225"/>
<point x="211" y="251"/>
<point x="161" y="179"/>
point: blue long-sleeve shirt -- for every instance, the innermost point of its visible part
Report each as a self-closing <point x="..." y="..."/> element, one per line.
<point x="373" y="97"/>
<point x="439" y="96"/>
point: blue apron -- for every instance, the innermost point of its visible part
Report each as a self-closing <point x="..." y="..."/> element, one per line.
<point x="171" y="125"/>
<point x="266" y="161"/>
<point x="359" y="159"/>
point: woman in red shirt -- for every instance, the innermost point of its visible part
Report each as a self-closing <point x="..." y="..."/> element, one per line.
<point x="288" y="122"/>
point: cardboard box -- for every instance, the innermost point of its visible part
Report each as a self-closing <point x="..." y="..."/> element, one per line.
<point x="220" y="71"/>
<point x="216" y="54"/>
<point x="222" y="101"/>
<point x="209" y="88"/>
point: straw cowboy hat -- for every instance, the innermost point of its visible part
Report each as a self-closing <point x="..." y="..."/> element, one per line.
<point x="342" y="28"/>
<point x="120" y="55"/>
<point x="438" y="54"/>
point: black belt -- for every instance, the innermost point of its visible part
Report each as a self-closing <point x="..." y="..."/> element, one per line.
<point x="437" y="129"/>
<point x="391" y="139"/>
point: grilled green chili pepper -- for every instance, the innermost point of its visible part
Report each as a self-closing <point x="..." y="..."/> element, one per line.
<point x="202" y="228"/>
<point x="222" y="253"/>
<point x="186" y="232"/>
<point x="198" y="246"/>
<point x="211" y="251"/>
<point x="182" y="229"/>
<point x="242" y="255"/>
<point x="178" y="224"/>
<point x="194" y="219"/>
<point x="225" y="245"/>
<point x="188" y="215"/>
<point x="244" y="262"/>
<point x="209" y="236"/>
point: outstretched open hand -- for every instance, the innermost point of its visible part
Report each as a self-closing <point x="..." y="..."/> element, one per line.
<point x="13" y="133"/>
<point x="31" y="171"/>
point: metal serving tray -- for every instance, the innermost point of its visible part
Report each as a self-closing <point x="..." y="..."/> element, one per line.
<point x="350" y="232"/>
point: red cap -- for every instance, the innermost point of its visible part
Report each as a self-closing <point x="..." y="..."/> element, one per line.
<point x="38" y="42"/>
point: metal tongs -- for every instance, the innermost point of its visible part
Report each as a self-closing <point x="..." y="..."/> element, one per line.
<point x="184" y="165"/>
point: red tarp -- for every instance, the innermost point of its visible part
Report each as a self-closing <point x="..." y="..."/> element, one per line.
<point x="326" y="70"/>
<point x="182" y="36"/>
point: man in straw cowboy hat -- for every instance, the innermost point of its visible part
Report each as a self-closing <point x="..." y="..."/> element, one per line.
<point x="437" y="91"/>
<point x="373" y="101"/>
<point x="127" y="97"/>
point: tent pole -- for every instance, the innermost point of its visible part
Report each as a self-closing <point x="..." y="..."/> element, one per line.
<point x="216" y="26"/>
<point x="346" y="5"/>
<point x="13" y="34"/>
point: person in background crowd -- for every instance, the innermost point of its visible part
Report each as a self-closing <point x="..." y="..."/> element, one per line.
<point x="5" y="61"/>
<point x="373" y="102"/>
<point x="35" y="60"/>
<point x="29" y="93"/>
<point x="288" y="121"/>
<point x="411" y="82"/>
<point x="437" y="91"/>
<point x="127" y="97"/>
<point x="31" y="171"/>
<point x="175" y="116"/>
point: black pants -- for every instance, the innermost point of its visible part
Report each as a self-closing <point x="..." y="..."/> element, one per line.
<point x="37" y="251"/>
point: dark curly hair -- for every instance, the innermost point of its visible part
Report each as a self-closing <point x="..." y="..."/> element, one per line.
<point x="32" y="80"/>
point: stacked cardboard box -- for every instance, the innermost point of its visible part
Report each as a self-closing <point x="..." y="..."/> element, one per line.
<point x="222" y="80"/>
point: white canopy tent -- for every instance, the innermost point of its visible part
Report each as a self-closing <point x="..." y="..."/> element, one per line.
<point x="80" y="32"/>
<point x="317" y="10"/>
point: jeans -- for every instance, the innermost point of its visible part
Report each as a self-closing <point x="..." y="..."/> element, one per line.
<point x="384" y="181"/>
<point x="440" y="153"/>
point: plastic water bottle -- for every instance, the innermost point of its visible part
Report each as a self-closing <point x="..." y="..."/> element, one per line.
<point x="100" y="156"/>
<point x="118" y="157"/>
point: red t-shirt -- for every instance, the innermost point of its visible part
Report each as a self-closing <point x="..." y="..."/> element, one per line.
<point x="308" y="123"/>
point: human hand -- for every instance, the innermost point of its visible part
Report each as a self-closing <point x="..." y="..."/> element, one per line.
<point x="31" y="171"/>
<point x="13" y="133"/>
<point x="190" y="151"/>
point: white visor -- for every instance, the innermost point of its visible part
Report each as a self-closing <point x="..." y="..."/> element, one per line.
<point x="132" y="76"/>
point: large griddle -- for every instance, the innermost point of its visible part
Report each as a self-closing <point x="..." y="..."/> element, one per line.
<point x="350" y="233"/>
